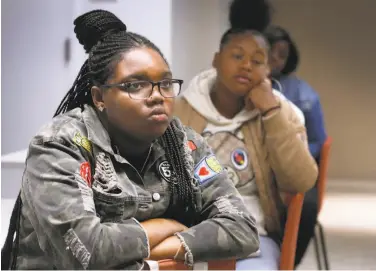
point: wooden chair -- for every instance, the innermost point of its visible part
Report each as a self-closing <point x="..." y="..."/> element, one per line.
<point x="319" y="238"/>
<point x="290" y="236"/>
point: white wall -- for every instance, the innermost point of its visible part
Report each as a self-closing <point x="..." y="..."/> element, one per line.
<point x="34" y="76"/>
<point x="149" y="18"/>
<point x="196" y="31"/>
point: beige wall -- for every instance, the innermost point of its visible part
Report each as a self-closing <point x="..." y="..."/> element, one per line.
<point x="337" y="42"/>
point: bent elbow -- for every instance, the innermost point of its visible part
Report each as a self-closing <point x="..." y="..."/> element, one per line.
<point x="310" y="179"/>
<point x="299" y="180"/>
<point x="250" y="241"/>
<point x="307" y="180"/>
<point x="251" y="247"/>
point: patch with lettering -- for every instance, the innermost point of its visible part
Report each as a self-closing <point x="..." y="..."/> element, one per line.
<point x="191" y="145"/>
<point x="207" y="168"/>
<point x="85" y="172"/>
<point x="239" y="159"/>
<point x="166" y="171"/>
<point x="82" y="141"/>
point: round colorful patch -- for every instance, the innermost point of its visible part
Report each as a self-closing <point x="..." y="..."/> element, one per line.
<point x="239" y="159"/>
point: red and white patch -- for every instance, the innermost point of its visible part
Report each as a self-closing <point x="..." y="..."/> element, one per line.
<point x="207" y="168"/>
<point x="192" y="145"/>
<point x="85" y="172"/>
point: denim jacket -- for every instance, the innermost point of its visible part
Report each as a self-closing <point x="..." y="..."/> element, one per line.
<point x="83" y="202"/>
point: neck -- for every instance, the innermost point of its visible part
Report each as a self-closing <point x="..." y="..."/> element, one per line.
<point x="227" y="104"/>
<point x="131" y="148"/>
<point x="134" y="150"/>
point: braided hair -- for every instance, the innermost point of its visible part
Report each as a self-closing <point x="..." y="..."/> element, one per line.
<point x="104" y="37"/>
<point x="247" y="16"/>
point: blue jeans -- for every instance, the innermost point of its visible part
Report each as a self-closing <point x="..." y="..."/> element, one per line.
<point x="268" y="260"/>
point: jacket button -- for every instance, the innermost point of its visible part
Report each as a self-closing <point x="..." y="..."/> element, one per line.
<point x="156" y="196"/>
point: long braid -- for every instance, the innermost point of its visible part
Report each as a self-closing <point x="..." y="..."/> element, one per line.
<point x="9" y="251"/>
<point x="182" y="194"/>
<point x="77" y="95"/>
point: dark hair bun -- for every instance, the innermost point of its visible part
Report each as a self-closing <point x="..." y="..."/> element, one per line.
<point x="94" y="26"/>
<point x="250" y="14"/>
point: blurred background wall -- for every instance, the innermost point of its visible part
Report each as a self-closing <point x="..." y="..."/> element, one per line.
<point x="335" y="39"/>
<point x="337" y="42"/>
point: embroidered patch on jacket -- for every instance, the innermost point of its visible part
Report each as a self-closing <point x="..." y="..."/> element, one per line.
<point x="208" y="168"/>
<point x="82" y="141"/>
<point x="192" y="145"/>
<point x="166" y="171"/>
<point x="85" y="172"/>
<point x="239" y="159"/>
<point x="214" y="164"/>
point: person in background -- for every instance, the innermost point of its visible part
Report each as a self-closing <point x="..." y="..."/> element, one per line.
<point x="113" y="180"/>
<point x="284" y="60"/>
<point x="254" y="131"/>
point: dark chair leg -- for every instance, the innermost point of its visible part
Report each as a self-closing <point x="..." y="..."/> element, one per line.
<point x="317" y="251"/>
<point x="323" y="246"/>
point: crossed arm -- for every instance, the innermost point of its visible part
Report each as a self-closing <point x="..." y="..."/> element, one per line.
<point x="163" y="243"/>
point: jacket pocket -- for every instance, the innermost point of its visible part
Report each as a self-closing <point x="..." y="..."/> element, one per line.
<point x="114" y="205"/>
<point x="112" y="202"/>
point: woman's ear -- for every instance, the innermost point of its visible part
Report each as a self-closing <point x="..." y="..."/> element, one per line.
<point x="97" y="96"/>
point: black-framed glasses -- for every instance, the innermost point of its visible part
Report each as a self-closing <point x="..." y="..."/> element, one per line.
<point x="142" y="89"/>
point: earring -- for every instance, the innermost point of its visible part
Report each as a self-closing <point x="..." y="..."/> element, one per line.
<point x="100" y="108"/>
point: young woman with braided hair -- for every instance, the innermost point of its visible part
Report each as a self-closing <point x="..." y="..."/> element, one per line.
<point x="254" y="131"/>
<point x="113" y="179"/>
